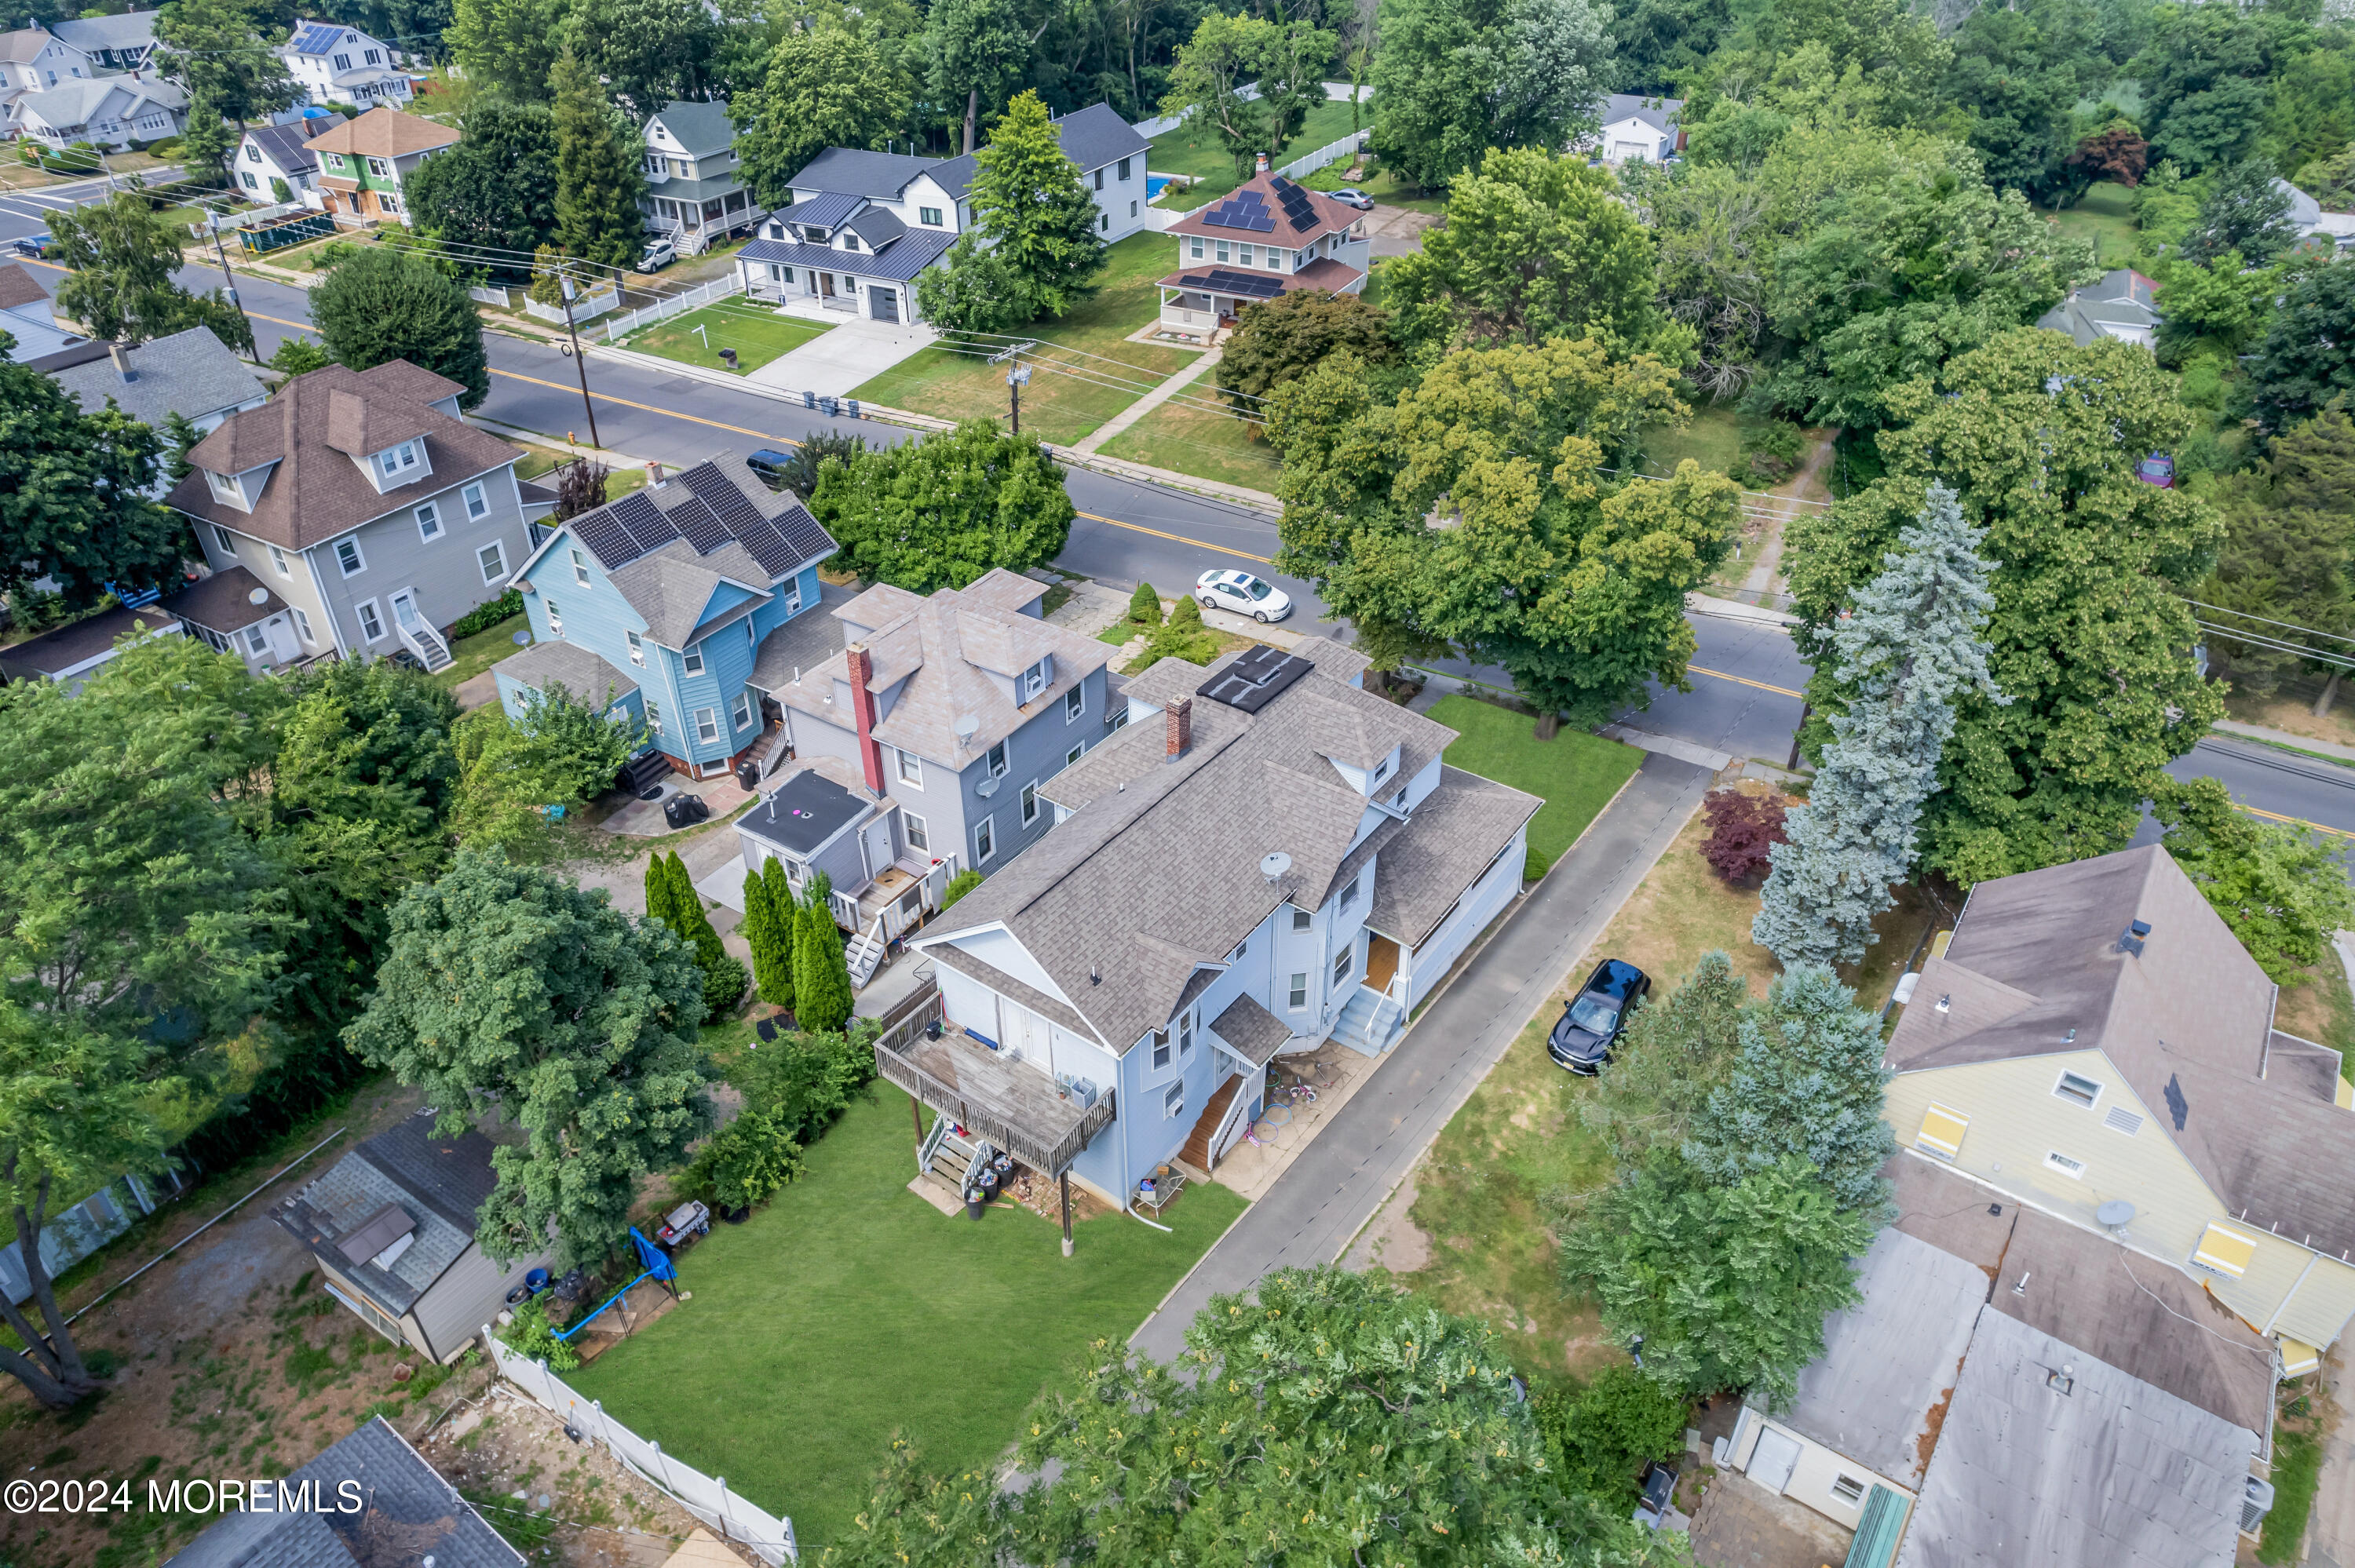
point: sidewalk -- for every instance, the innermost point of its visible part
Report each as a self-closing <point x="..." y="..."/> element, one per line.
<point x="1318" y="1207"/>
<point x="2283" y="737"/>
<point x="1095" y="440"/>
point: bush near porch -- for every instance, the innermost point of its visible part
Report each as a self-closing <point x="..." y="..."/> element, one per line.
<point x="851" y="1310"/>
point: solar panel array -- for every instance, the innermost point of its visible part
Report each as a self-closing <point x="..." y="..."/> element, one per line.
<point x="713" y="512"/>
<point x="1246" y="209"/>
<point x="314" y="39"/>
<point x="1250" y="285"/>
<point x="1299" y="210"/>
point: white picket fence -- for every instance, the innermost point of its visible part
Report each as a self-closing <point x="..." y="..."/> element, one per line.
<point x="1337" y="90"/>
<point x="728" y="1513"/>
<point x="587" y="305"/>
<point x="1331" y="153"/>
<point x="702" y="294"/>
<point x="488" y="296"/>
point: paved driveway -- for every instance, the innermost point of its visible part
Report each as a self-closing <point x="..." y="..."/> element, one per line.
<point x="1333" y="1189"/>
<point x="1397" y="230"/>
<point x="855" y="352"/>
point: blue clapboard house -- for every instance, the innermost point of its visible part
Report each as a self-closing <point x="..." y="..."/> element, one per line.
<point x="656" y="605"/>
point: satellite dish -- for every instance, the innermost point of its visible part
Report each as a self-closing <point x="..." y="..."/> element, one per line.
<point x="1273" y="865"/>
<point x="2114" y="1214"/>
<point x="987" y="788"/>
<point x="967" y="725"/>
<point x="258" y="596"/>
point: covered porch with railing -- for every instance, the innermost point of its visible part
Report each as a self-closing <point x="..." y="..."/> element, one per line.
<point x="997" y="1103"/>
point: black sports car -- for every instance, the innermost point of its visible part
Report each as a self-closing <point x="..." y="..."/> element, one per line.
<point x="1591" y="1020"/>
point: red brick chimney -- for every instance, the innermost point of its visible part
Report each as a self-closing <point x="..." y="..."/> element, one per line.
<point x="862" y="708"/>
<point x="1178" y="721"/>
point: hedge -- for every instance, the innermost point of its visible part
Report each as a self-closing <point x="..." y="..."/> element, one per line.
<point x="483" y="617"/>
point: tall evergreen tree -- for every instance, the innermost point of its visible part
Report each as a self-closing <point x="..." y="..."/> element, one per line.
<point x="1809" y="1084"/>
<point x="822" y="995"/>
<point x="1029" y="203"/>
<point x="788" y="932"/>
<point x="507" y="46"/>
<point x="598" y="175"/>
<point x="659" y="905"/>
<point x="771" y="955"/>
<point x="1910" y="648"/>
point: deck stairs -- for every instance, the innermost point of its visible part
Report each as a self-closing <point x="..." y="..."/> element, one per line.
<point x="1198" y="1153"/>
<point x="427" y="644"/>
<point x="1370" y="1023"/>
<point x="773" y="753"/>
<point x="949" y="1156"/>
<point x="864" y="953"/>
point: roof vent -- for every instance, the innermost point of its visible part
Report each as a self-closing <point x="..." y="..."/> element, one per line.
<point x="1946" y="1003"/>
<point x="2064" y="1379"/>
<point x="1273" y="865"/>
<point x="2137" y="933"/>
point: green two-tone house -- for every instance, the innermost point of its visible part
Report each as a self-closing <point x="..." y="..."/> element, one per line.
<point x="694" y="184"/>
<point x="363" y="162"/>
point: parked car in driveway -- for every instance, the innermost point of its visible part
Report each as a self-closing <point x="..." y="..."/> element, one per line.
<point x="1243" y="594"/>
<point x="1591" y="1021"/>
<point x="658" y="254"/>
<point x="1357" y="199"/>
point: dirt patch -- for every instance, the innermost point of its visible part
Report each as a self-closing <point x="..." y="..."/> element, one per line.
<point x="1394" y="1241"/>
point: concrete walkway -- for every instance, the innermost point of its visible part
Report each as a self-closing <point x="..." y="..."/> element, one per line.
<point x="856" y="352"/>
<point x="1318" y="1207"/>
<point x="2284" y="737"/>
<point x="1096" y="437"/>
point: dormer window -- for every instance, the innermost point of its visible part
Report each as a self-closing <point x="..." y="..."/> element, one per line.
<point x="695" y="659"/>
<point x="395" y="459"/>
<point x="850" y="242"/>
<point x="1034" y="681"/>
<point x="224" y="488"/>
<point x="1381" y="769"/>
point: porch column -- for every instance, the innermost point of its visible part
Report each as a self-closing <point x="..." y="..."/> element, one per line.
<point x="1065" y="1180"/>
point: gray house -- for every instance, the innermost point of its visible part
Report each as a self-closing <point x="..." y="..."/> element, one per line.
<point x="2122" y="306"/>
<point x="363" y="501"/>
<point x="392" y="1226"/>
<point x="921" y="730"/>
<point x="695" y="186"/>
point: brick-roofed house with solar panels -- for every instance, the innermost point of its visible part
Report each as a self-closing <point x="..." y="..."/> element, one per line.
<point x="659" y="604"/>
<point x="1271" y="236"/>
<point x="1315" y="868"/>
<point x="336" y="64"/>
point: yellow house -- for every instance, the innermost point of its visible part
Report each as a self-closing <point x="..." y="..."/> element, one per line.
<point x="2094" y="1043"/>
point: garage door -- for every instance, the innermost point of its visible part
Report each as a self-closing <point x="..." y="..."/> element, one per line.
<point x="887" y="303"/>
<point x="1772" y="1462"/>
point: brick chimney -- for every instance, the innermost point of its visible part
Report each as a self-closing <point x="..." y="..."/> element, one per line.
<point x="862" y="708"/>
<point x="1178" y="721"/>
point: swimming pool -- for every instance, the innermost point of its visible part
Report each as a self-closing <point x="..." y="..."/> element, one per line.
<point x="1154" y="185"/>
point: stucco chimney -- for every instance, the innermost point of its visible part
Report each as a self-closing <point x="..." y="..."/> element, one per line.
<point x="862" y="708"/>
<point x="1178" y="721"/>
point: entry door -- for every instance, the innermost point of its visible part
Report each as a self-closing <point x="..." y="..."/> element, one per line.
<point x="825" y="284"/>
<point x="887" y="303"/>
<point x="1772" y="1462"/>
<point x="404" y="609"/>
<point x="1025" y="1033"/>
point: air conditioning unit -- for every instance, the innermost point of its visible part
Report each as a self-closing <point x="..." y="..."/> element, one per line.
<point x="2256" y="1501"/>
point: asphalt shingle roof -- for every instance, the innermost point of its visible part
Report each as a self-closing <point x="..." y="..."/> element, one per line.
<point x="78" y="102"/>
<point x="1660" y="114"/>
<point x="699" y="127"/>
<point x="225" y="602"/>
<point x="123" y="30"/>
<point x="192" y="374"/>
<point x="384" y="132"/>
<point x="900" y="264"/>
<point x="587" y="677"/>
<point x="19" y="287"/>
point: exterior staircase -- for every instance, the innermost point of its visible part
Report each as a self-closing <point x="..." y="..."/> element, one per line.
<point x="864" y="954"/>
<point x="1370" y="1023"/>
<point x="422" y="640"/>
<point x="1197" y="1154"/>
<point x="951" y="1158"/>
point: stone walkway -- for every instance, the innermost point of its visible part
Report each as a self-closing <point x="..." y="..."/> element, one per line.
<point x="1095" y="440"/>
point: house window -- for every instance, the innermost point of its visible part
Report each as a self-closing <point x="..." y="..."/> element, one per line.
<point x="1341" y="961"/>
<point x="228" y="543"/>
<point x="493" y="557"/>
<point x="1349" y="894"/>
<point x="1847" y="1490"/>
<point x="919" y="836"/>
<point x="2072" y="1169"/>
<point x="1029" y="804"/>
<point x="252" y="153"/>
<point x="428" y="522"/>
<point x="985" y="839"/>
<point x="695" y="659"/>
<point x="1074" y="755"/>
<point x="371" y="624"/>
<point x="912" y="770"/>
<point x="637" y="649"/>
<point x="1160" y="1049"/>
<point x="1034" y="680"/>
<point x="742" y="711"/>
<point x="1302" y="919"/>
<point x="1173" y="1103"/>
<point x="343" y="62"/>
<point x="997" y="760"/>
<point x="394" y="459"/>
<point x="348" y="557"/>
<point x="224" y="488"/>
<point x="1131" y="209"/>
<point x="2080" y="1090"/>
<point x="478" y="501"/>
<point x="1296" y="996"/>
<point x="579" y="568"/>
<point x="793" y="597"/>
<point x="930" y="215"/>
<point x="302" y="625"/>
<point x="381" y="167"/>
<point x="1075" y="703"/>
<point x="653" y="717"/>
<point x="1105" y="223"/>
<point x="246" y="176"/>
<point x="1196" y="248"/>
<point x="850" y="242"/>
<point x="707" y="724"/>
<point x="257" y="639"/>
<point x="1185" y="1033"/>
<point x="370" y="56"/>
<point x="278" y="562"/>
<point x="1381" y="769"/>
<point x="1124" y="168"/>
<point x="554" y="617"/>
<point x="1226" y="252"/>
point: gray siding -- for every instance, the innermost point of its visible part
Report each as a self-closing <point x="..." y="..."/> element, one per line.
<point x="297" y="589"/>
<point x="471" y="1292"/>
<point x="444" y="572"/>
<point x="1034" y="754"/>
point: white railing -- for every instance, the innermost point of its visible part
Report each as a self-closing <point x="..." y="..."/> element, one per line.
<point x="770" y="1538"/>
<point x="1230" y="1125"/>
<point x="702" y="294"/>
<point x="245" y="218"/>
<point x="482" y="296"/>
<point x="1199" y="320"/>
<point x="594" y="302"/>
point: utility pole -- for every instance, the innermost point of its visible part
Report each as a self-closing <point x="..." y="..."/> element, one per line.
<point x="213" y="222"/>
<point x="580" y="361"/>
<point x="1016" y="377"/>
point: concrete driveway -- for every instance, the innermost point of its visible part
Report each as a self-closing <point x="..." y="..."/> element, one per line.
<point x="855" y="352"/>
<point x="1396" y="231"/>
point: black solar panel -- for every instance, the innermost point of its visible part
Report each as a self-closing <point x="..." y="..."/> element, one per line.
<point x="802" y="532"/>
<point x="1281" y="184"/>
<point x="768" y="547"/>
<point x="607" y="540"/>
<point x="1255" y="679"/>
<point x="637" y="513"/>
<point x="1246" y="209"/>
<point x="717" y="491"/>
<point x="701" y="525"/>
<point x="1218" y="280"/>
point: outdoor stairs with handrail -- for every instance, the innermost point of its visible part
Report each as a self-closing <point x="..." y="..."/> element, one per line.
<point x="953" y="1156"/>
<point x="1200" y="1150"/>
<point x="774" y="752"/>
<point x="1370" y="1023"/>
<point x="864" y="953"/>
<point x="427" y="644"/>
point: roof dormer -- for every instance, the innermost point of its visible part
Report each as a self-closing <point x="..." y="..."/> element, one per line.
<point x="388" y="443"/>
<point x="238" y="490"/>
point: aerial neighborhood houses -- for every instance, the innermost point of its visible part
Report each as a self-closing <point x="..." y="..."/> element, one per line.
<point x="1270" y="237"/>
<point x="336" y="64"/>
<point x="695" y="190"/>
<point x="863" y="224"/>
<point x="362" y="162"/>
<point x="89" y="80"/>
<point x="268" y="155"/>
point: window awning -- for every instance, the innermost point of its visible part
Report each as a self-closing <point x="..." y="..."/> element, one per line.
<point x="1941" y="1131"/>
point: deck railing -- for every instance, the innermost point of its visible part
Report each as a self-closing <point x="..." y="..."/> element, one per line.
<point x="1048" y="1156"/>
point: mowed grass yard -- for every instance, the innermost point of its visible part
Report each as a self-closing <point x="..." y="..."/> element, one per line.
<point x="1101" y="372"/>
<point x="756" y="335"/>
<point x="851" y="1310"/>
<point x="2105" y="215"/>
<point x="1203" y="442"/>
<point x="1575" y="773"/>
<point x="1194" y="148"/>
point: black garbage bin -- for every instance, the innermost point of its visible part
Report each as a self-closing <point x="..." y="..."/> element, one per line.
<point x="986" y="1179"/>
<point x="748" y="773"/>
<point x="675" y="810"/>
<point x="974" y="1198"/>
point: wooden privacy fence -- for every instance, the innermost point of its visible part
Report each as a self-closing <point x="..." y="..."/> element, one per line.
<point x="727" y="1513"/>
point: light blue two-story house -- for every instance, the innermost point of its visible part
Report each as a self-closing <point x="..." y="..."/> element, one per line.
<point x="657" y="604"/>
<point x="1265" y="856"/>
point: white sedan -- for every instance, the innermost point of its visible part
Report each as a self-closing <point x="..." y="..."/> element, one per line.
<point x="1243" y="594"/>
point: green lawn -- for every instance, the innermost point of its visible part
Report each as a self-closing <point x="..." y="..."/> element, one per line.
<point x="851" y="1310"/>
<point x="537" y="460"/>
<point x="756" y="335"/>
<point x="1194" y="149"/>
<point x="2104" y="215"/>
<point x="470" y="656"/>
<point x="1713" y="439"/>
<point x="1383" y="183"/>
<point x="1102" y="373"/>
<point x="1575" y="772"/>
<point x="1196" y="442"/>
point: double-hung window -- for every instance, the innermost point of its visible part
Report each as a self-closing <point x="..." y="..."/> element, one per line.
<point x="1173" y="1102"/>
<point x="637" y="649"/>
<point x="554" y="617"/>
<point x="1194" y="247"/>
<point x="257" y="639"/>
<point x="393" y="459"/>
<point x="1185" y="1031"/>
<point x="919" y="836"/>
<point x="1341" y="961"/>
<point x="1302" y="919"/>
<point x="794" y="596"/>
<point x="371" y="623"/>
<point x="1074" y="755"/>
<point x="985" y="839"/>
<point x="997" y="760"/>
<point x="1160" y="1049"/>
<point x="579" y="568"/>
<point x="1075" y="703"/>
<point x="381" y="167"/>
<point x="1034" y="680"/>
<point x="494" y="559"/>
<point x="222" y="537"/>
<point x="1349" y="894"/>
<point x="707" y="724"/>
<point x="302" y="625"/>
<point x="478" y="501"/>
<point x="278" y="562"/>
<point x="912" y="769"/>
<point x="224" y="488"/>
<point x="348" y="557"/>
<point x="742" y="711"/>
<point x="694" y="658"/>
<point x="428" y="522"/>
<point x="1296" y="996"/>
<point x="1029" y="804"/>
<point x="653" y="717"/>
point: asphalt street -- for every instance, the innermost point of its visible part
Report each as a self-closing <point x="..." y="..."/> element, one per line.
<point x="1746" y="677"/>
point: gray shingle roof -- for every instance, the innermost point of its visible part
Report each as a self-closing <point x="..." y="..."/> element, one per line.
<point x="587" y="677"/>
<point x="1252" y="1030"/>
<point x="439" y="1183"/>
<point x="224" y="602"/>
<point x="406" y="1510"/>
<point x="803" y="643"/>
<point x="192" y="374"/>
<point x="670" y="587"/>
<point x="1459" y="829"/>
<point x="81" y="640"/>
<point x="2110" y="1472"/>
<point x="1097" y="135"/>
<point x="2036" y="956"/>
<point x="75" y="102"/>
<point x="878" y="176"/>
<point x="699" y="127"/>
<point x="123" y="30"/>
<point x="1660" y="114"/>
<point x="900" y="264"/>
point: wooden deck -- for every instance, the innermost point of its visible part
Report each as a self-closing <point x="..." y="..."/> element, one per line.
<point x="1011" y="1103"/>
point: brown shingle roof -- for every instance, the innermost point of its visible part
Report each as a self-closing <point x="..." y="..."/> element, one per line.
<point x="384" y="132"/>
<point x="316" y="491"/>
<point x="2188" y="1023"/>
<point x="225" y="602"/>
<point x="18" y="287"/>
<point x="1332" y="215"/>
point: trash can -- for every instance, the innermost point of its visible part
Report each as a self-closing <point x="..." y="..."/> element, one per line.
<point x="975" y="1198"/>
<point x="988" y="1182"/>
<point x="675" y="810"/>
<point x="748" y="773"/>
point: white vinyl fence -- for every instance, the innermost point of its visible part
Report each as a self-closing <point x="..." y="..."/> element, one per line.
<point x="621" y="326"/>
<point x="708" y="1497"/>
<point x="589" y="302"/>
<point x="484" y="295"/>
<point x="1331" y="153"/>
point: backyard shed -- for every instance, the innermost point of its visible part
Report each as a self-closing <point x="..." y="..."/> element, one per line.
<point x="392" y="1226"/>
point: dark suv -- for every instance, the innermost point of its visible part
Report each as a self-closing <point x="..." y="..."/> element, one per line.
<point x="1591" y="1020"/>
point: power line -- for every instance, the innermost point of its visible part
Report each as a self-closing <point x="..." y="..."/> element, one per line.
<point x="2291" y="625"/>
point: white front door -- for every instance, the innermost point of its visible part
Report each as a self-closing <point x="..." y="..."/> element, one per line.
<point x="404" y="609"/>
